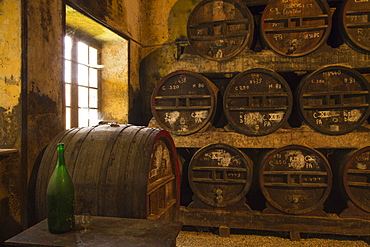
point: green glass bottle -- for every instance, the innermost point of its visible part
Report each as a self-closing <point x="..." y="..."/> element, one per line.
<point x="60" y="197"/>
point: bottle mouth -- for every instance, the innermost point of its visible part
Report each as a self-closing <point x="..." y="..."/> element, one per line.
<point x="60" y="145"/>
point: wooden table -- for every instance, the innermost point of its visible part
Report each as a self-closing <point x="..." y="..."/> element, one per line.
<point x="7" y="151"/>
<point x="105" y="231"/>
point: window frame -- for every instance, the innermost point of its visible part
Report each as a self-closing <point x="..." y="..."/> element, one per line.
<point x="77" y="36"/>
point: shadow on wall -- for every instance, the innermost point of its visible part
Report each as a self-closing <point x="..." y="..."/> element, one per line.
<point x="156" y="64"/>
<point x="150" y="74"/>
<point x="135" y="112"/>
<point x="12" y="226"/>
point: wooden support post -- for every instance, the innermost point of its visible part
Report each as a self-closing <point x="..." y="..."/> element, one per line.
<point x="224" y="231"/>
<point x="295" y="236"/>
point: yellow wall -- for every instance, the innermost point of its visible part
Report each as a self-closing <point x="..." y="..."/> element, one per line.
<point x="114" y="98"/>
<point x="165" y="30"/>
<point x="10" y="66"/>
<point x="10" y="115"/>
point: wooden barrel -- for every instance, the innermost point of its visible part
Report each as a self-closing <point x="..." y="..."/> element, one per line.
<point x="118" y="170"/>
<point x="257" y="102"/>
<point x="291" y="28"/>
<point x="355" y="24"/>
<point x="184" y="102"/>
<point x="334" y="99"/>
<point x="295" y="179"/>
<point x="220" y="29"/>
<point x="220" y="175"/>
<point x="354" y="177"/>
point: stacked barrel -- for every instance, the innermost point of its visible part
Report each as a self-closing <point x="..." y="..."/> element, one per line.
<point x="295" y="28"/>
<point x="258" y="102"/>
<point x="220" y="175"/>
<point x="354" y="24"/>
<point x="332" y="100"/>
<point x="295" y="179"/>
<point x="220" y="30"/>
<point x="184" y="102"/>
<point x="354" y="179"/>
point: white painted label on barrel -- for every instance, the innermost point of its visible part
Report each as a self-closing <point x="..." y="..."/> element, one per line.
<point x="161" y="157"/>
<point x="311" y="35"/>
<point x="171" y="117"/>
<point x="256" y="119"/>
<point x="362" y="161"/>
<point x="199" y="116"/>
<point x="183" y="125"/>
<point x="334" y="127"/>
<point x="361" y="166"/>
<point x="291" y="8"/>
<point x="319" y="115"/>
<point x="274" y="116"/>
<point x="297" y="160"/>
<point x="175" y="118"/>
<point x="353" y="115"/>
<point x="252" y="119"/>
<point x="223" y="158"/>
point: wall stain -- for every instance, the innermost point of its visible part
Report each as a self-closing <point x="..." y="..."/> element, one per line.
<point x="9" y="127"/>
<point x="157" y="63"/>
<point x="46" y="20"/>
<point x="41" y="104"/>
<point x="97" y="9"/>
<point x="11" y="80"/>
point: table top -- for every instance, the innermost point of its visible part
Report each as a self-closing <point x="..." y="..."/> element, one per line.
<point x="4" y="151"/>
<point x="104" y="231"/>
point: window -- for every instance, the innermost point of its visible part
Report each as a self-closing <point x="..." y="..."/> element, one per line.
<point x="82" y="81"/>
<point x="94" y="92"/>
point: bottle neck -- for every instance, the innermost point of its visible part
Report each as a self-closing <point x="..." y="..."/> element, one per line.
<point x="61" y="161"/>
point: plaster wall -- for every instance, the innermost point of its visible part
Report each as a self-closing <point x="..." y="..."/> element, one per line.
<point x="10" y="115"/>
<point x="10" y="41"/>
<point x="114" y="98"/>
<point x="165" y="34"/>
<point x="45" y="111"/>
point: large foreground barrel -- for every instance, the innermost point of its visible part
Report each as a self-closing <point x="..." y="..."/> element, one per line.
<point x="334" y="99"/>
<point x="295" y="179"/>
<point x="118" y="170"/>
